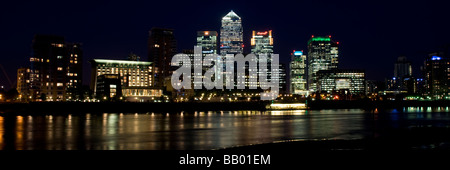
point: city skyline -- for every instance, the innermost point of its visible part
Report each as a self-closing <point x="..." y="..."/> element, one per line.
<point x="95" y="43"/>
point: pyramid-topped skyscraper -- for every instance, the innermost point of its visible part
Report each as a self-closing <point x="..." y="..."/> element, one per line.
<point x="231" y="34"/>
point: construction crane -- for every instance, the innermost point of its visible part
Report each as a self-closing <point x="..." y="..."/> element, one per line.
<point x="6" y="75"/>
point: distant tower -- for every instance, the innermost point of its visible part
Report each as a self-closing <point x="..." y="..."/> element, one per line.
<point x="322" y="55"/>
<point x="162" y="46"/>
<point x="208" y="41"/>
<point x="133" y="57"/>
<point x="231" y="34"/>
<point x="436" y="71"/>
<point x="298" y="73"/>
<point x="262" y="42"/>
<point x="402" y="68"/>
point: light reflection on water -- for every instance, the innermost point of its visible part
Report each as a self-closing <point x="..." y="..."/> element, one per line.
<point x="196" y="130"/>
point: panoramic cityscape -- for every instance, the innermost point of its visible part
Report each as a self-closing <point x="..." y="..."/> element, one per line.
<point x="229" y="79"/>
<point x="55" y="71"/>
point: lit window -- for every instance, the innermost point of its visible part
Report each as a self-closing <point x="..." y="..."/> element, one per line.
<point x="60" y="68"/>
<point x="59" y="57"/>
<point x="59" y="84"/>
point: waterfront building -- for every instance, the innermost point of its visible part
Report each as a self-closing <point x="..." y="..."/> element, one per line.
<point x="162" y="46"/>
<point x="231" y="34"/>
<point x="55" y="67"/>
<point x="298" y="74"/>
<point x="23" y="83"/>
<point x="109" y="87"/>
<point x="436" y="70"/>
<point x="322" y="55"/>
<point x="135" y="78"/>
<point x="341" y="79"/>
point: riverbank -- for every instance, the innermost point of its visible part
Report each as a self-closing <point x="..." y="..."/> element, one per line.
<point x="391" y="139"/>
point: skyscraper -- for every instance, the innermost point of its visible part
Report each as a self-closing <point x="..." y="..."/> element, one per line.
<point x="231" y="34"/>
<point x="322" y="55"/>
<point x="436" y="71"/>
<point x="298" y="73"/>
<point x="162" y="46"/>
<point x="262" y="42"/>
<point x="402" y="68"/>
<point x="208" y="41"/>
<point x="75" y="70"/>
<point x="55" y="67"/>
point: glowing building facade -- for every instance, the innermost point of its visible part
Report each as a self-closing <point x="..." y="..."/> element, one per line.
<point x="231" y="34"/>
<point x="135" y="78"/>
<point x="262" y="42"/>
<point x="341" y="79"/>
<point x="322" y="55"/>
<point x="298" y="73"/>
<point x="208" y="41"/>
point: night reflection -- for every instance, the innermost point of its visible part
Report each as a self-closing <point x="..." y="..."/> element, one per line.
<point x="198" y="130"/>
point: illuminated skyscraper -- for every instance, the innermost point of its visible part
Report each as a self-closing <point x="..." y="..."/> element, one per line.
<point x="231" y="34"/>
<point x="262" y="42"/>
<point x="436" y="72"/>
<point x="208" y="41"/>
<point x="298" y="73"/>
<point x="322" y="55"/>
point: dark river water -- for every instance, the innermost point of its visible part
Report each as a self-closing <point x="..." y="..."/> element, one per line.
<point x="203" y="130"/>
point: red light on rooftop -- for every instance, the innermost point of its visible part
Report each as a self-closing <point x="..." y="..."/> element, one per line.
<point x="312" y="36"/>
<point x="337" y="42"/>
<point x="329" y="36"/>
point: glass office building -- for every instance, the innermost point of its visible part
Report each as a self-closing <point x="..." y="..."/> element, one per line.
<point x="322" y="55"/>
<point x="262" y="42"/>
<point x="341" y="79"/>
<point x="208" y="41"/>
<point x="231" y="34"/>
<point x="298" y="73"/>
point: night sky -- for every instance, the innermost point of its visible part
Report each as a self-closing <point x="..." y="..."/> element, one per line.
<point x="371" y="34"/>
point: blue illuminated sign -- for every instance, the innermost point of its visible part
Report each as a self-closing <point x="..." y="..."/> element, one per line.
<point x="435" y="58"/>
<point x="298" y="53"/>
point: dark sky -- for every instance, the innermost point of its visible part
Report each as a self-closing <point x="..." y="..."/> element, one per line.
<point x="372" y="34"/>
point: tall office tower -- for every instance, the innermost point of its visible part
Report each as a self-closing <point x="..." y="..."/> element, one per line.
<point x="208" y="41"/>
<point x="75" y="69"/>
<point x="231" y="34"/>
<point x="51" y="67"/>
<point x="162" y="46"/>
<point x="322" y="55"/>
<point x="298" y="73"/>
<point x="262" y="42"/>
<point x="402" y="68"/>
<point x="437" y="71"/>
